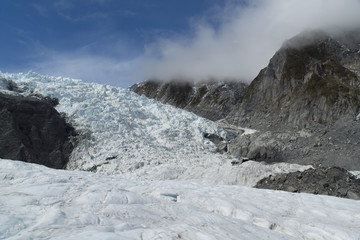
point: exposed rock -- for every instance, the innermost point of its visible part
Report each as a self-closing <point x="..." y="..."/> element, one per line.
<point x="332" y="181"/>
<point x="353" y="195"/>
<point x="337" y="145"/>
<point x="52" y="101"/>
<point x="212" y="100"/>
<point x="257" y="146"/>
<point x="10" y="85"/>
<point x="311" y="86"/>
<point x="305" y="104"/>
<point x="33" y="131"/>
<point x="220" y="143"/>
<point x="312" y="83"/>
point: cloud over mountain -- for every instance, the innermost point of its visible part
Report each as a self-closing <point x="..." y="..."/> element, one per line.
<point x="240" y="39"/>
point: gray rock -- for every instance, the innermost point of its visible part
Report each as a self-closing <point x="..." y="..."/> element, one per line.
<point x="353" y="195"/>
<point x="313" y="83"/>
<point x="213" y="99"/>
<point x="343" y="191"/>
<point x="303" y="104"/>
<point x="33" y="131"/>
<point x="220" y="143"/>
<point x="312" y="86"/>
<point x="333" y="181"/>
<point x="291" y="189"/>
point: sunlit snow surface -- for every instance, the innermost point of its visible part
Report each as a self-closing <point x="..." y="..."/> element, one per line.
<point x="167" y="181"/>
<point x="41" y="203"/>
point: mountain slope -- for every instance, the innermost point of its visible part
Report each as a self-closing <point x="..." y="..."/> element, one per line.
<point x="313" y="79"/>
<point x="306" y="103"/>
<point x="212" y="100"/>
<point x="302" y="103"/>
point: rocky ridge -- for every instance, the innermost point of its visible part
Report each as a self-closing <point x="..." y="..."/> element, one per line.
<point x="312" y="81"/>
<point x="305" y="105"/>
<point x="32" y="130"/>
<point x="213" y="100"/>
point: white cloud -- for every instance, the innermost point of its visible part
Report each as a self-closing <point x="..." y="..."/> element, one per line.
<point x="247" y="37"/>
<point x="90" y="68"/>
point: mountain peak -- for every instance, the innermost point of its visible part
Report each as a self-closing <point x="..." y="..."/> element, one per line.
<point x="312" y="79"/>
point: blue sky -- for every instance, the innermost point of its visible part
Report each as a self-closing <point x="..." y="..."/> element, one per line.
<point x="121" y="42"/>
<point x="37" y="34"/>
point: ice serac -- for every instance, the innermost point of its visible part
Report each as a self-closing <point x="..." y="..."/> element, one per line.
<point x="314" y="79"/>
<point x="33" y="131"/>
<point x="213" y="100"/>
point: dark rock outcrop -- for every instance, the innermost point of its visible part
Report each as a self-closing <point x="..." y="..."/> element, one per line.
<point x="333" y="181"/>
<point x="33" y="131"/>
<point x="9" y="85"/>
<point x="212" y="100"/>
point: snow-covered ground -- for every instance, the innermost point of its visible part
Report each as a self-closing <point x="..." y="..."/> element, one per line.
<point x="157" y="178"/>
<point x="41" y="203"/>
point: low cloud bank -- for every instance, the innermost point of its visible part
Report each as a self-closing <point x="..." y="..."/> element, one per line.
<point x="246" y="35"/>
<point x="91" y="68"/>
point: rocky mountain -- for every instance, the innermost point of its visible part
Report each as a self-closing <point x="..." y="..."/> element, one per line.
<point x="213" y="100"/>
<point x="32" y="130"/>
<point x="305" y="104"/>
<point x="313" y="79"/>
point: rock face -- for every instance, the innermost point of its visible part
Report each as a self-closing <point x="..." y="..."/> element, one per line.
<point x="332" y="181"/>
<point x="33" y="131"/>
<point x="336" y="145"/>
<point x="212" y="100"/>
<point x="305" y="104"/>
<point x="312" y="80"/>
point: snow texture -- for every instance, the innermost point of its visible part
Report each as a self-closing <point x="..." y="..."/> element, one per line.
<point x="123" y="133"/>
<point x="157" y="178"/>
<point x="41" y="203"/>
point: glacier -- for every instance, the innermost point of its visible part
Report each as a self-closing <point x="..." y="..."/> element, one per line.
<point x="124" y="133"/>
<point x="157" y="177"/>
<point x="41" y="203"/>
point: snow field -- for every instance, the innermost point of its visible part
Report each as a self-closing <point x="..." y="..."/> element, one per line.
<point x="41" y="203"/>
